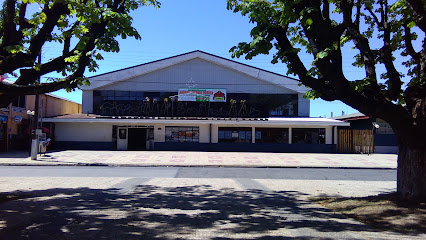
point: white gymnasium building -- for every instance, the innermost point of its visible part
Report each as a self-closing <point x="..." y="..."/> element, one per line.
<point x="194" y="101"/>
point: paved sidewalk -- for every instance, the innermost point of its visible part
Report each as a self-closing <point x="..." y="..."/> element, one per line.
<point x="221" y="159"/>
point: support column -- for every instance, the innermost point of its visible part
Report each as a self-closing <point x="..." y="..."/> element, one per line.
<point x="253" y="134"/>
<point x="290" y="135"/>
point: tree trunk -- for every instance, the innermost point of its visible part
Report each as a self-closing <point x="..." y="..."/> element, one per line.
<point x="411" y="179"/>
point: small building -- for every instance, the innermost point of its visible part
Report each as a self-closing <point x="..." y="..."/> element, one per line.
<point x="16" y="123"/>
<point x="195" y="101"/>
<point x="383" y="139"/>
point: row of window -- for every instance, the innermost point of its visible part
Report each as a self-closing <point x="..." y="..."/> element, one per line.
<point x="127" y="103"/>
<point x="244" y="135"/>
<point x="272" y="135"/>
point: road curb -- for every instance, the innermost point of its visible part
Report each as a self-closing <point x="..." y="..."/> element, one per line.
<point x="192" y="165"/>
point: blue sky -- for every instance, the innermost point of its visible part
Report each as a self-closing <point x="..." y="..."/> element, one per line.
<point x="181" y="26"/>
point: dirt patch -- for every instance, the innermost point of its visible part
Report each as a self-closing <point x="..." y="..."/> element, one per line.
<point x="388" y="212"/>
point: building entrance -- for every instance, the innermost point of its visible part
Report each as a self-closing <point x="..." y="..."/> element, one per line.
<point x="137" y="139"/>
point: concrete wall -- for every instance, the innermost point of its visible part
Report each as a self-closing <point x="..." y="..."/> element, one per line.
<point x="99" y="136"/>
<point x="51" y="106"/>
<point x="83" y="132"/>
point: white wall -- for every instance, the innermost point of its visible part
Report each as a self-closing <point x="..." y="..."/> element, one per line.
<point x="84" y="132"/>
<point x="204" y="133"/>
<point x="329" y="135"/>
<point x="159" y="132"/>
<point x="102" y="132"/>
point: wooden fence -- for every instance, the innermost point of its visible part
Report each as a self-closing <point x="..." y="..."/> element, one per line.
<point x="355" y="141"/>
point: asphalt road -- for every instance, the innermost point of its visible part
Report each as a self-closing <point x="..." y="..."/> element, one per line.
<point x="201" y="172"/>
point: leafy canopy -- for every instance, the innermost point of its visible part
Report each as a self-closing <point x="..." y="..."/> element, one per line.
<point x="81" y="28"/>
<point x="322" y="27"/>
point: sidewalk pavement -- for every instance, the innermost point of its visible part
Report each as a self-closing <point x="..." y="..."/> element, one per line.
<point x="197" y="159"/>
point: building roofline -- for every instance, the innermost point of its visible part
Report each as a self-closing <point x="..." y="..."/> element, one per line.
<point x="351" y="116"/>
<point x="48" y="94"/>
<point x="127" y="68"/>
<point x="62" y="98"/>
<point x="122" y="75"/>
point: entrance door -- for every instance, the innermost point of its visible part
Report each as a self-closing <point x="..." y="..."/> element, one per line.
<point x="122" y="138"/>
<point x="137" y="139"/>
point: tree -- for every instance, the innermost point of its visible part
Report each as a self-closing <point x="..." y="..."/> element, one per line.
<point x="81" y="28"/>
<point x="322" y="28"/>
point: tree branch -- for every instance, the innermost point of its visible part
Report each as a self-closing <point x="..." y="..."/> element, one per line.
<point x="394" y="83"/>
<point x="376" y="19"/>
<point x="23" y="22"/>
<point x="418" y="8"/>
<point x="9" y="26"/>
<point x="11" y="62"/>
<point x="358" y="13"/>
<point x="326" y="9"/>
<point x="53" y="14"/>
<point x="409" y="45"/>
<point x="361" y="43"/>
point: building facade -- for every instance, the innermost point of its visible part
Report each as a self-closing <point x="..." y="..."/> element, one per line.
<point x="383" y="137"/>
<point x="16" y="123"/>
<point x="195" y="101"/>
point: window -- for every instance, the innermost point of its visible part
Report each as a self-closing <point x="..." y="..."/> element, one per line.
<point x="308" y="135"/>
<point x="182" y="134"/>
<point x="234" y="135"/>
<point x="271" y="135"/>
<point x="19" y="101"/>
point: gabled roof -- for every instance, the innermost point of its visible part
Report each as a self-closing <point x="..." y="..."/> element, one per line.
<point x="138" y="70"/>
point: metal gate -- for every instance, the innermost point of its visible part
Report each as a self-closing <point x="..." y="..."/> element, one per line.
<point x="355" y="141"/>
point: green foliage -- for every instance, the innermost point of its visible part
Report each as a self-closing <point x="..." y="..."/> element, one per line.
<point x="309" y="27"/>
<point x="83" y="28"/>
<point x="312" y="94"/>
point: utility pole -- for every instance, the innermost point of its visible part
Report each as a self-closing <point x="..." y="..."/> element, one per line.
<point x="34" y="136"/>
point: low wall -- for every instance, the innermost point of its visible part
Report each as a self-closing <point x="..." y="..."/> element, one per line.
<point x="206" y="147"/>
<point x="74" y="145"/>
<point x="245" y="147"/>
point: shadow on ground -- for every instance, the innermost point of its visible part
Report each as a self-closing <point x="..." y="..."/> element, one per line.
<point x="151" y="212"/>
<point x="15" y="154"/>
<point x="388" y="211"/>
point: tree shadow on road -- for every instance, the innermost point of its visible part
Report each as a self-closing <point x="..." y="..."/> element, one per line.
<point x="152" y="212"/>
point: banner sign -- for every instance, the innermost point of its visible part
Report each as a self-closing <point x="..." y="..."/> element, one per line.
<point x="202" y="95"/>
